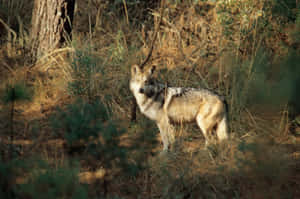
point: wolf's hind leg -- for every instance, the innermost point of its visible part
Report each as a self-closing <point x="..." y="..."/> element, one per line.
<point x="204" y="127"/>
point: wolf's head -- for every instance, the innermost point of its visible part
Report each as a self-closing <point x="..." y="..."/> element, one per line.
<point x="140" y="77"/>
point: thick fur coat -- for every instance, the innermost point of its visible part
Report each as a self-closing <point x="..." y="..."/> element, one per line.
<point x="167" y="105"/>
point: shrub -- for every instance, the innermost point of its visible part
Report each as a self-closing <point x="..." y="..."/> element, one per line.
<point x="88" y="129"/>
<point x="85" y="69"/>
<point x="80" y="121"/>
<point x="53" y="183"/>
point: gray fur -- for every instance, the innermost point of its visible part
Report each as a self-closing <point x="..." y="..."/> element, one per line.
<point x="165" y="104"/>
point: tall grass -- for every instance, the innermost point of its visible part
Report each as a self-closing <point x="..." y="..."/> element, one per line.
<point x="15" y="20"/>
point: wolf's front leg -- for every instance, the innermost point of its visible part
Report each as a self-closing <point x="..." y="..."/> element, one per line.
<point x="168" y="98"/>
<point x="166" y="132"/>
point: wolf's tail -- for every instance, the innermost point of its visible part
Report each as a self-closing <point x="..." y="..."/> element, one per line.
<point x="222" y="129"/>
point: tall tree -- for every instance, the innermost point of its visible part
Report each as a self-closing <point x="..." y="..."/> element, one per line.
<point x="51" y="25"/>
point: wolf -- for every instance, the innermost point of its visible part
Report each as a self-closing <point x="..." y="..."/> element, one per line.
<point x="170" y="105"/>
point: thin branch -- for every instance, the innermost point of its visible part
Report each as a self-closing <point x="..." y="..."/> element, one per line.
<point x="162" y="8"/>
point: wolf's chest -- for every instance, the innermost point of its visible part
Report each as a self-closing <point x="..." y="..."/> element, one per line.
<point x="150" y="108"/>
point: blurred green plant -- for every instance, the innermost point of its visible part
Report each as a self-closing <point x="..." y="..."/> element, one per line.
<point x="53" y="183"/>
<point x="145" y="141"/>
<point x="80" y="121"/>
<point x="263" y="163"/>
<point x="13" y="93"/>
<point x="89" y="129"/>
<point x="40" y="180"/>
<point x="17" y="92"/>
<point x="118" y="49"/>
<point x="247" y="24"/>
<point x="85" y="67"/>
<point x="6" y="180"/>
<point x="286" y="9"/>
<point x="262" y="81"/>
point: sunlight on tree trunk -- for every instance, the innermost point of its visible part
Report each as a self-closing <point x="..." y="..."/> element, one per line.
<point x="51" y="25"/>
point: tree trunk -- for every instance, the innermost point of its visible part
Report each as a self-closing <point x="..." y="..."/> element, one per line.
<point x="51" y="25"/>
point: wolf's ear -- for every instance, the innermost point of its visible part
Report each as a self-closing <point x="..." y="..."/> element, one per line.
<point x="135" y="69"/>
<point x="151" y="70"/>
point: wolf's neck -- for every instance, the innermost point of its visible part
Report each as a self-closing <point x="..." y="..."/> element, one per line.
<point x="140" y="98"/>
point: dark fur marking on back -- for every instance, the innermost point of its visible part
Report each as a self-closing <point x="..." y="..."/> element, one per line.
<point x="182" y="92"/>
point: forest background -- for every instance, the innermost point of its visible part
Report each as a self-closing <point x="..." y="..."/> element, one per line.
<point x="66" y="126"/>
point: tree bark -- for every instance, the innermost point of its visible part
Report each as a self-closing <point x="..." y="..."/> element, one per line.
<point x="51" y="25"/>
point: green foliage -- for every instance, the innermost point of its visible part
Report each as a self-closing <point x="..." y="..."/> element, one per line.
<point x="117" y="49"/>
<point x="88" y="128"/>
<point x="250" y="23"/>
<point x="146" y="138"/>
<point x="104" y="78"/>
<point x="41" y="181"/>
<point x="17" y="92"/>
<point x="275" y="89"/>
<point x="286" y="9"/>
<point x="181" y="176"/>
<point x="85" y="68"/>
<point x="54" y="183"/>
<point x="14" y="93"/>
<point x="243" y="23"/>
<point x="287" y="88"/>
<point x="259" y="163"/>
<point x="253" y="82"/>
<point x="81" y="121"/>
<point x="6" y="177"/>
<point x="129" y="158"/>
